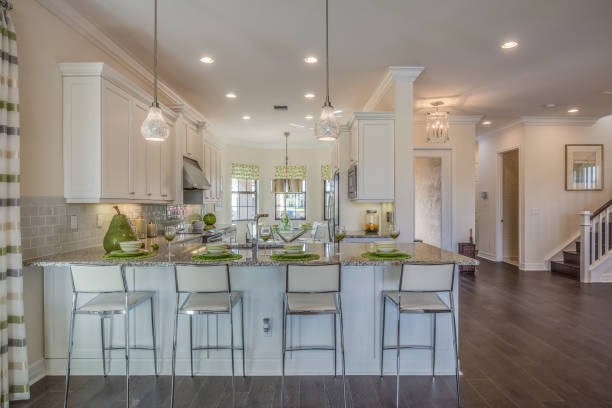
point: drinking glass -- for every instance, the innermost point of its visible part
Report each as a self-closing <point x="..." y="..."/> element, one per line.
<point x="394" y="231"/>
<point x="169" y="234"/>
<point x="340" y="234"/>
<point x="265" y="232"/>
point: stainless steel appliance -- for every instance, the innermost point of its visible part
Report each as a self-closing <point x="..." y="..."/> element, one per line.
<point x="352" y="182"/>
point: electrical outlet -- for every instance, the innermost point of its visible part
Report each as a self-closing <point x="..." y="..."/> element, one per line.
<point x="74" y="222"/>
<point x="267" y="326"/>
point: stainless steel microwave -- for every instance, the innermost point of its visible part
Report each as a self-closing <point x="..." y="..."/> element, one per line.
<point x="352" y="182"/>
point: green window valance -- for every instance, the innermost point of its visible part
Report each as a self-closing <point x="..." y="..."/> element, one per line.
<point x="326" y="173"/>
<point x="245" y="171"/>
<point x="294" y="172"/>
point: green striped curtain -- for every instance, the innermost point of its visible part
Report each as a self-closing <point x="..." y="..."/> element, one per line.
<point x="14" y="378"/>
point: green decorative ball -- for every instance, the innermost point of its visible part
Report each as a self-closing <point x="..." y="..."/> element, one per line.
<point x="210" y="219"/>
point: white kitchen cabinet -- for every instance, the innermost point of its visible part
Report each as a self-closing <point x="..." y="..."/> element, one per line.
<point x="106" y="159"/>
<point x="373" y="134"/>
<point x="194" y="144"/>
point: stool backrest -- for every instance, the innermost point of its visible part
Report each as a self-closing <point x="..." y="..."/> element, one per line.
<point x="202" y="278"/>
<point x="427" y="278"/>
<point x="313" y="278"/>
<point x="98" y="278"/>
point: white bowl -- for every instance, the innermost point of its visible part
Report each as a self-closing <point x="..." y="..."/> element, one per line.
<point x="385" y="246"/>
<point x="198" y="225"/>
<point x="130" y="246"/>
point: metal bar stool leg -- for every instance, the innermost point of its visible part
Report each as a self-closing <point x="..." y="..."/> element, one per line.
<point x="335" y="344"/>
<point x="433" y="344"/>
<point x="70" y="343"/>
<point x="457" y="380"/>
<point x="242" y="334"/>
<point x="382" y="340"/>
<point x="174" y="352"/>
<point x="232" y="349"/>
<point x="283" y="349"/>
<point x="103" y="345"/>
<point x="154" y="339"/>
<point x="397" y="357"/>
<point x="127" y="353"/>
<point x="342" y="349"/>
<point x="191" y="342"/>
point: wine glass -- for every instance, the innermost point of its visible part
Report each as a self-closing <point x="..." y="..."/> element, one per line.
<point x="394" y="231"/>
<point x="340" y="234"/>
<point x="169" y="234"/>
<point x="265" y="232"/>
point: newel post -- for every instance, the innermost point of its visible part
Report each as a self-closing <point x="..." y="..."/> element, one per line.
<point x="585" y="245"/>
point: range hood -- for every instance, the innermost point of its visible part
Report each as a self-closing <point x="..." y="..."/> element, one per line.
<point x="193" y="176"/>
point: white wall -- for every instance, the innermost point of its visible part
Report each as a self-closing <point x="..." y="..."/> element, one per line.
<point x="548" y="212"/>
<point x="510" y="188"/>
<point x="266" y="159"/>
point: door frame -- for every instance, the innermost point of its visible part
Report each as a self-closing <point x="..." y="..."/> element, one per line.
<point x="447" y="156"/>
<point x="499" y="215"/>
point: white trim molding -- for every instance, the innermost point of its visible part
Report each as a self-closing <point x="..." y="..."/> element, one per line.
<point x="452" y="119"/>
<point x="558" y="121"/>
<point x="392" y="75"/>
<point x="37" y="371"/>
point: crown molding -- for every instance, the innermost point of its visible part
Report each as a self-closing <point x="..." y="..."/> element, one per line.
<point x="452" y="119"/>
<point x="405" y="73"/>
<point x="558" y="121"/>
<point x="369" y="115"/>
<point x="190" y="114"/>
<point x="507" y="126"/>
<point x="392" y="75"/>
<point x="65" y="12"/>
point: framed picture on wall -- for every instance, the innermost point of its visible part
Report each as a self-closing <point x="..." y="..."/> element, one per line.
<point x="584" y="167"/>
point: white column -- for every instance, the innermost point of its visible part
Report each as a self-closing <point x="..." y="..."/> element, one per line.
<point x="403" y="78"/>
<point x="585" y="245"/>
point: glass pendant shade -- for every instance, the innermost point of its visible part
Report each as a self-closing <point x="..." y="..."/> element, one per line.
<point x="437" y="127"/>
<point x="327" y="128"/>
<point x="154" y="127"/>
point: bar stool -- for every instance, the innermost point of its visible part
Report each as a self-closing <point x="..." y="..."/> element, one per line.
<point x="208" y="291"/>
<point x="313" y="290"/>
<point x="419" y="291"/>
<point x="113" y="298"/>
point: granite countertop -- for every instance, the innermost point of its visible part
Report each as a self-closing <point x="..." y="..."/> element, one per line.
<point x="363" y="234"/>
<point x="183" y="249"/>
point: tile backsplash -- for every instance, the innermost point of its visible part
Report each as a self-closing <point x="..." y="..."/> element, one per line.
<point x="46" y="229"/>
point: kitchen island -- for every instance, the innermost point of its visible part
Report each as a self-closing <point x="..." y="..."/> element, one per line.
<point x="263" y="281"/>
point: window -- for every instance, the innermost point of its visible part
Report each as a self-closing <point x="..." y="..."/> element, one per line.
<point x="244" y="199"/>
<point x="293" y="203"/>
<point x="327" y="190"/>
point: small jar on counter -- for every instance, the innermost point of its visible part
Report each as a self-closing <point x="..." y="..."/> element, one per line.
<point x="371" y="222"/>
<point x="151" y="229"/>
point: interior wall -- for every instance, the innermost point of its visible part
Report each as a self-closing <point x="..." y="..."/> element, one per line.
<point x="510" y="187"/>
<point x="266" y="159"/>
<point x="428" y="199"/>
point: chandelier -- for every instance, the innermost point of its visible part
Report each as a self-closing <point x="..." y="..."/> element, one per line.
<point x="287" y="182"/>
<point x="437" y="125"/>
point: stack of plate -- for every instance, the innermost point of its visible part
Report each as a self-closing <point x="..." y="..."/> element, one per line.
<point x="293" y="249"/>
<point x="216" y="249"/>
<point x="385" y="247"/>
<point x="130" y="246"/>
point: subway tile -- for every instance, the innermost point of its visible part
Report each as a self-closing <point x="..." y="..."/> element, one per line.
<point x="29" y="211"/>
<point x="51" y="220"/>
<point x="37" y="220"/>
<point x="25" y="221"/>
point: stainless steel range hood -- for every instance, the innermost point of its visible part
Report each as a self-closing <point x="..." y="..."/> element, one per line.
<point x="194" y="182"/>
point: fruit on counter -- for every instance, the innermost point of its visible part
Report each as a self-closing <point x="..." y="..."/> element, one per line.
<point x="371" y="228"/>
<point x="209" y="219"/>
<point x="155" y="247"/>
<point x="119" y="230"/>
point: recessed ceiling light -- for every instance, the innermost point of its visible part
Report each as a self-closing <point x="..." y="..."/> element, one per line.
<point x="486" y="122"/>
<point x="311" y="60"/>
<point x="296" y="125"/>
<point x="308" y="117"/>
<point x="608" y="92"/>
<point x="573" y="110"/>
<point x="337" y="111"/>
<point x="509" y="44"/>
<point x="246" y="117"/>
<point x="309" y="95"/>
<point x="207" y="60"/>
<point x="550" y="105"/>
<point x="230" y="95"/>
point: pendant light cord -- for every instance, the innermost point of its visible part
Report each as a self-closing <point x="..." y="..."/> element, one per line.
<point x="155" y="59"/>
<point x="327" y="103"/>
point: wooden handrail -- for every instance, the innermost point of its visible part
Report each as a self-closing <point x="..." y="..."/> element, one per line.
<point x="601" y="209"/>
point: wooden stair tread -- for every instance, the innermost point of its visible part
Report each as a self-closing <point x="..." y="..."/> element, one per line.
<point x="564" y="268"/>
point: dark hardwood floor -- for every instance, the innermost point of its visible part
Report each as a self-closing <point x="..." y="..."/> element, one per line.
<point x="527" y="339"/>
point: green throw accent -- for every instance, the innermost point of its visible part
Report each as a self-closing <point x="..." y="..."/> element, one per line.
<point x="19" y="389"/>
<point x="9" y="178"/>
<point x="129" y="256"/>
<point x="393" y="256"/>
<point x="245" y="171"/>
<point x="9" y="106"/>
<point x="294" y="257"/>
<point x="216" y="258"/>
<point x="12" y="319"/>
<point x="5" y="31"/>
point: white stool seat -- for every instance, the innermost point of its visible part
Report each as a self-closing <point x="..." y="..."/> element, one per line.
<point x="209" y="302"/>
<point x="311" y="302"/>
<point x="418" y="301"/>
<point x="114" y="302"/>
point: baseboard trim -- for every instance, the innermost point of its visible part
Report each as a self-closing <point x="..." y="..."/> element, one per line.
<point x="487" y="256"/>
<point x="37" y="371"/>
<point x="533" y="266"/>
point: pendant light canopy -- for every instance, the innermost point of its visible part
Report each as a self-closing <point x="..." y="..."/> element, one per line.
<point x="327" y="128"/>
<point x="154" y="127"/>
<point x="287" y="184"/>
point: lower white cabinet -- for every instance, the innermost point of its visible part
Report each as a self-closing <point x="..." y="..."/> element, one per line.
<point x="106" y="159"/>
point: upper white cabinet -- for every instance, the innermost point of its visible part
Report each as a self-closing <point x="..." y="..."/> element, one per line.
<point x="372" y="149"/>
<point x="194" y="144"/>
<point x="106" y="159"/>
<point x="212" y="169"/>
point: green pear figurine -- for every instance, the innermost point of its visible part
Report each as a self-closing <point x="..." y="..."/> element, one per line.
<point x="119" y="230"/>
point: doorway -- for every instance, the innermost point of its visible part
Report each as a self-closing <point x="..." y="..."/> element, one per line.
<point x="432" y="197"/>
<point x="509" y="198"/>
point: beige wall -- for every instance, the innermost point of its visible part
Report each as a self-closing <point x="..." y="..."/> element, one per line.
<point x="548" y="212"/>
<point x="510" y="187"/>
<point x="428" y="199"/>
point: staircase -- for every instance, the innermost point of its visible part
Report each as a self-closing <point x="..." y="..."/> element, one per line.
<point x="570" y="265"/>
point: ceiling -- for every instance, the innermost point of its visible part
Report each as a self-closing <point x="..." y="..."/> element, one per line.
<point x="564" y="56"/>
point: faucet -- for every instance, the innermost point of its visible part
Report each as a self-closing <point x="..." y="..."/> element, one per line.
<point x="255" y="240"/>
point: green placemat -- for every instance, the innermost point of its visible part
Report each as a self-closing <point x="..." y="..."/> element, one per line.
<point x="294" y="257"/>
<point x="393" y="256"/>
<point x="219" y="257"/>
<point x="129" y="256"/>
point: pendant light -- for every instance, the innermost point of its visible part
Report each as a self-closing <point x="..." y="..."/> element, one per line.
<point x="437" y="125"/>
<point x="327" y="128"/>
<point x="154" y="127"/>
<point x="287" y="184"/>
